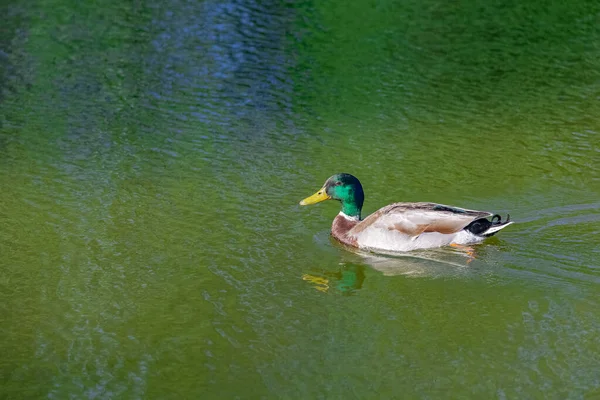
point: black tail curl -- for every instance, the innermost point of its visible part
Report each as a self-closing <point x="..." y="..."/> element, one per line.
<point x="481" y="225"/>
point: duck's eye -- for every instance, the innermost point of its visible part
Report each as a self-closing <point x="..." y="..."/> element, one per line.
<point x="338" y="183"/>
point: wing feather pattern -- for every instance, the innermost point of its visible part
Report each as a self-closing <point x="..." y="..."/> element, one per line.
<point x="413" y="219"/>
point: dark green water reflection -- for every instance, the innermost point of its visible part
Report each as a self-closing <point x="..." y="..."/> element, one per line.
<point x="152" y="155"/>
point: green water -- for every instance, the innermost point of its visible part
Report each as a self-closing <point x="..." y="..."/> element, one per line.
<point x="152" y="155"/>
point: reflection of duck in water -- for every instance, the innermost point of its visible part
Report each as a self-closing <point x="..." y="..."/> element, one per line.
<point x="348" y="279"/>
<point x="402" y="226"/>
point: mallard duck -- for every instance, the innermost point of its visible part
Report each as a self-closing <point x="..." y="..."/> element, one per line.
<point x="402" y="226"/>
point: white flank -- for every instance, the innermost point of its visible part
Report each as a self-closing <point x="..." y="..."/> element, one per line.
<point x="392" y="240"/>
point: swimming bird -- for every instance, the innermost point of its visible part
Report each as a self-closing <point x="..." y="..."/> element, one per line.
<point x="402" y="226"/>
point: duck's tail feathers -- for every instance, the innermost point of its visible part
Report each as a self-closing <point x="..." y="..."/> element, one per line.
<point x="484" y="227"/>
<point x="496" y="225"/>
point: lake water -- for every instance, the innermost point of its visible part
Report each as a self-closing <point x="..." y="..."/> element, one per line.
<point x="152" y="156"/>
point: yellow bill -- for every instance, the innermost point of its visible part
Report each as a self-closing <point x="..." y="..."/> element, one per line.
<point x="318" y="197"/>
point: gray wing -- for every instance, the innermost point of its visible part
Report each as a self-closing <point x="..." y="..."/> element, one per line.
<point x="415" y="218"/>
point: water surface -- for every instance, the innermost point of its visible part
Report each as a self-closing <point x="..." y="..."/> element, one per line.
<point x="152" y="155"/>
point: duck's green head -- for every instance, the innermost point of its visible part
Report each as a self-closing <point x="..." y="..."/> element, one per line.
<point x="344" y="188"/>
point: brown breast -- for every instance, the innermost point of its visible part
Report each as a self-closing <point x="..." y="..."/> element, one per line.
<point x="339" y="230"/>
